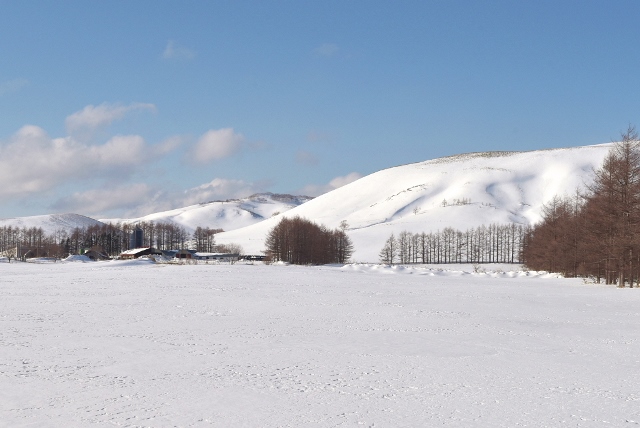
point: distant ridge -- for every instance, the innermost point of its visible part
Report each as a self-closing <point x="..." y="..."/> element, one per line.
<point x="226" y="214"/>
<point x="50" y="223"/>
<point x="266" y="196"/>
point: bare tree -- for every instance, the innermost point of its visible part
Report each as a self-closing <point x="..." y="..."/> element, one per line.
<point x="597" y="233"/>
<point x="389" y="251"/>
<point x="300" y="241"/>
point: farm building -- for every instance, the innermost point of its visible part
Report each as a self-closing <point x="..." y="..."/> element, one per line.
<point x="221" y="257"/>
<point x="195" y="255"/>
<point x="96" y="254"/>
<point x="139" y="252"/>
<point x="185" y="254"/>
<point x="27" y="252"/>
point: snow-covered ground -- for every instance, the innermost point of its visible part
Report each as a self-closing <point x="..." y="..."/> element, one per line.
<point x="141" y="344"/>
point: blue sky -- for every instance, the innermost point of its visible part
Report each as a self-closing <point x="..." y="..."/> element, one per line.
<point x="123" y="108"/>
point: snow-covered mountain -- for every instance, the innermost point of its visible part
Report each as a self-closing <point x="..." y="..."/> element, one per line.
<point x="460" y="191"/>
<point x="51" y="223"/>
<point x="227" y="215"/>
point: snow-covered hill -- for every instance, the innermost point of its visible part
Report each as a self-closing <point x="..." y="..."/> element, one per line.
<point x="460" y="191"/>
<point x="227" y="215"/>
<point x="51" y="223"/>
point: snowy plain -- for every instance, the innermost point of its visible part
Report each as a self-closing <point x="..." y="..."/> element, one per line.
<point x="139" y="344"/>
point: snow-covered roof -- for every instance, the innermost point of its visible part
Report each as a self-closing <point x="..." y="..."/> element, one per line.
<point x="215" y="254"/>
<point x="134" y="251"/>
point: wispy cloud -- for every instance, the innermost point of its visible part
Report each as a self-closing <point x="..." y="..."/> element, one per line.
<point x="319" y="189"/>
<point x="216" y="144"/>
<point x="11" y="86"/>
<point x="326" y="50"/>
<point x="176" y="51"/>
<point x="93" y="117"/>
<point x="170" y="144"/>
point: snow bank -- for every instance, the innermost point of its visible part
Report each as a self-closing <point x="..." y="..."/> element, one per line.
<point x="484" y="270"/>
<point x="77" y="258"/>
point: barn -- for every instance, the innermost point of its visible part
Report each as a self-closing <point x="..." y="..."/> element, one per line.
<point x="139" y="252"/>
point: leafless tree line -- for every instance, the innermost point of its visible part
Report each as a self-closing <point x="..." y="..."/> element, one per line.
<point x="300" y="241"/>
<point x="495" y="243"/>
<point x="111" y="239"/>
<point x="160" y="235"/>
<point x="13" y="239"/>
<point x="595" y="233"/>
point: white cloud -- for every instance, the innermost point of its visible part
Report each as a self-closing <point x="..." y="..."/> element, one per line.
<point x="121" y="151"/>
<point x="170" y="144"/>
<point x="344" y="180"/>
<point x="173" y="50"/>
<point x="100" y="201"/>
<point x="135" y="200"/>
<point x="220" y="189"/>
<point x="216" y="189"/>
<point x="327" y="49"/>
<point x="32" y="162"/>
<point x="92" y="117"/>
<point x="216" y="144"/>
<point x="12" y="86"/>
<point x="319" y="189"/>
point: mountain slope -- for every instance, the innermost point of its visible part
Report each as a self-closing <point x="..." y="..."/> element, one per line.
<point x="460" y="191"/>
<point x="227" y="215"/>
<point x="51" y="223"/>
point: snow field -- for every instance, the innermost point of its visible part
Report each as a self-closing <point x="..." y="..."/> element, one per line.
<point x="143" y="344"/>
